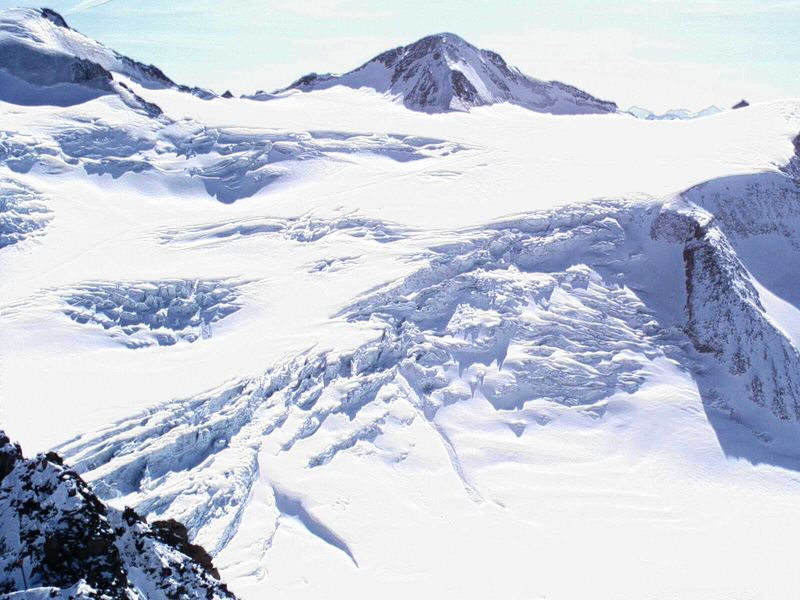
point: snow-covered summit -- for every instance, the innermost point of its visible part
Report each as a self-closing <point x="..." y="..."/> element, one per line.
<point x="44" y="61"/>
<point x="444" y="72"/>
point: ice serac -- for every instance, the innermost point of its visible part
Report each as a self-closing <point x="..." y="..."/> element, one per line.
<point x="44" y="61"/>
<point x="444" y="72"/>
<point x="58" y="540"/>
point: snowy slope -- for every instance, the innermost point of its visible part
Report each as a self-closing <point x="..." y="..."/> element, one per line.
<point x="59" y="540"/>
<point x="44" y="61"/>
<point x="360" y="350"/>
<point x="444" y="72"/>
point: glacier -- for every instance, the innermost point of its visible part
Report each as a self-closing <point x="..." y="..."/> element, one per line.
<point x="53" y="529"/>
<point x="371" y="337"/>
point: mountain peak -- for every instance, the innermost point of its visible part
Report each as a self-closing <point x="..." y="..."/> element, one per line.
<point x="445" y="37"/>
<point x="53" y="17"/>
<point x="44" y="61"/>
<point x="444" y="72"/>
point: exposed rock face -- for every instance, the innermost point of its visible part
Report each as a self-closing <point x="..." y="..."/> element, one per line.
<point x="725" y="315"/>
<point x="57" y="538"/>
<point x="176" y="535"/>
<point x="42" y="57"/>
<point x="443" y="72"/>
<point x="144" y="313"/>
<point x="741" y="104"/>
<point x="9" y="455"/>
<point x="675" y="114"/>
<point x="54" y="17"/>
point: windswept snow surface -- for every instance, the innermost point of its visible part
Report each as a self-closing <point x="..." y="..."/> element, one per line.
<point x="488" y="354"/>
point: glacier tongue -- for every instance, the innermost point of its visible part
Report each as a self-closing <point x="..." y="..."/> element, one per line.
<point x="354" y="374"/>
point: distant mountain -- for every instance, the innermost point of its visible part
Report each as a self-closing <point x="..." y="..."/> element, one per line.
<point x="443" y="72"/>
<point x="59" y="540"/>
<point x="675" y="114"/>
<point x="44" y="61"/>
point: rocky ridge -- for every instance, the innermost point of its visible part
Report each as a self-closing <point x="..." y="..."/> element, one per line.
<point x="59" y="540"/>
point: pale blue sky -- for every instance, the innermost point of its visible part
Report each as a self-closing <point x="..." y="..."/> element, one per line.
<point x="654" y="53"/>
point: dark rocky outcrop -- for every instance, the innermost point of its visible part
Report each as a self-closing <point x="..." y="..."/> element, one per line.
<point x="56" y="535"/>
